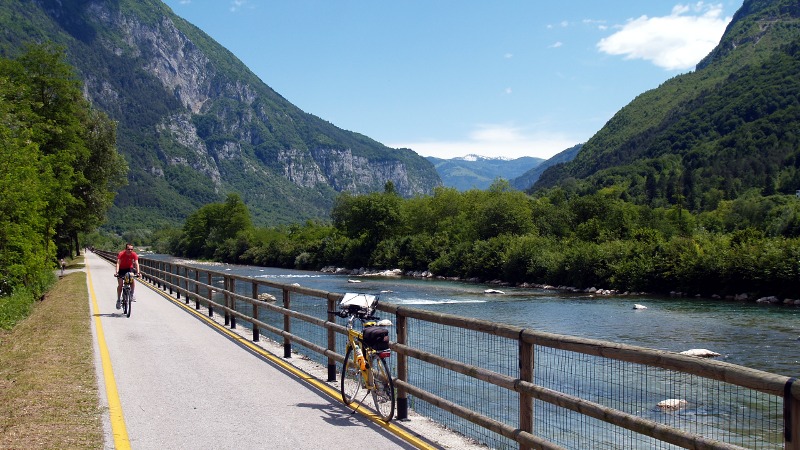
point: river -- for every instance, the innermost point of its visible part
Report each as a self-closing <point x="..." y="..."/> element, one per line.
<point x="763" y="337"/>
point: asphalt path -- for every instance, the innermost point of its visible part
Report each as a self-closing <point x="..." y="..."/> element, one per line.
<point x="171" y="381"/>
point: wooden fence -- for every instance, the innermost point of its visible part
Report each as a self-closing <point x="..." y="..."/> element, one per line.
<point x="745" y="392"/>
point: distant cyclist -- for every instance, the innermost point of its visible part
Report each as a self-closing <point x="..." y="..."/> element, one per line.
<point x="63" y="266"/>
<point x="127" y="261"/>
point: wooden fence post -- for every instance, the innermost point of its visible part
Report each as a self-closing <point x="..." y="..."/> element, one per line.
<point x="402" y="365"/>
<point x="232" y="301"/>
<point x="287" y="325"/>
<point x="255" y="312"/>
<point x="196" y="289"/>
<point x="210" y="280"/>
<point x="331" y="340"/>
<point x="525" y="400"/>
<point x="225" y="300"/>
<point x="791" y="416"/>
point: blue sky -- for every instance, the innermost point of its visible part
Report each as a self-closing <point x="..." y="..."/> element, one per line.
<point x="449" y="78"/>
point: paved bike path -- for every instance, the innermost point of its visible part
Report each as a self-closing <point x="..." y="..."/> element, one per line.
<point x="181" y="384"/>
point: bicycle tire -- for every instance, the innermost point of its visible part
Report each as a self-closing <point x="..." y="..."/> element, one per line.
<point x="351" y="378"/>
<point x="128" y="305"/>
<point x="383" y="387"/>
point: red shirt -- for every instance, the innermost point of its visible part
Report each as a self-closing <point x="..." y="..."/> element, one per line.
<point x="126" y="259"/>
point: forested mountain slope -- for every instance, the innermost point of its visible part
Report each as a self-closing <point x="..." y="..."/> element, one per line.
<point x="195" y="124"/>
<point x="527" y="179"/>
<point x="727" y="128"/>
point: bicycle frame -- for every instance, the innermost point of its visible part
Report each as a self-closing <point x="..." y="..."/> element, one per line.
<point x="370" y="364"/>
<point x="355" y="340"/>
<point x="127" y="283"/>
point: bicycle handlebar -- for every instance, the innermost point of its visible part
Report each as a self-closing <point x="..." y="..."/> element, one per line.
<point x="344" y="314"/>
<point x="136" y="274"/>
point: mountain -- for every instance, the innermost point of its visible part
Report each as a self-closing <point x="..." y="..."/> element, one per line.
<point x="527" y="179"/>
<point x="479" y="172"/>
<point x="194" y="123"/>
<point x="727" y="129"/>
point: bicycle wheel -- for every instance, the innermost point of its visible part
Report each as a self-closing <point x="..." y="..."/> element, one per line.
<point x="127" y="305"/>
<point x="383" y="387"/>
<point x="351" y="377"/>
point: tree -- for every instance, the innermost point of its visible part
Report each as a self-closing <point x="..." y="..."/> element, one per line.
<point x="503" y="211"/>
<point x="102" y="173"/>
<point x="366" y="220"/>
<point x="57" y="157"/>
<point x="79" y="167"/>
<point x="370" y="217"/>
<point x="211" y="226"/>
<point x="23" y="248"/>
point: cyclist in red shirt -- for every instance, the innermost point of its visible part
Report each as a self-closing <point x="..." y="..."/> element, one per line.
<point x="127" y="261"/>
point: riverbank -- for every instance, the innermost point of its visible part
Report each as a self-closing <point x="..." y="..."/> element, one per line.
<point x="742" y="297"/>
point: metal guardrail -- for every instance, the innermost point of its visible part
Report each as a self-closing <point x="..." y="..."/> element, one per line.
<point x="513" y="387"/>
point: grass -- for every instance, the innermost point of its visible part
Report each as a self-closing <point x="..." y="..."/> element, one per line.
<point x="48" y="386"/>
<point x="15" y="307"/>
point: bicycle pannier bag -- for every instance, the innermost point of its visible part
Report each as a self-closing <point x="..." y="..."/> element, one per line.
<point x="376" y="337"/>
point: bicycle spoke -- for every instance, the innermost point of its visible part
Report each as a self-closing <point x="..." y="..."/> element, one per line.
<point x="351" y="378"/>
<point x="382" y="388"/>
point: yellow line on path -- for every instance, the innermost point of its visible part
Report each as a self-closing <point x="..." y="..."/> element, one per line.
<point x="118" y="428"/>
<point x="394" y="429"/>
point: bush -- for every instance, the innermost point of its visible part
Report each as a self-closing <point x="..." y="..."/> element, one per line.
<point x="15" y="307"/>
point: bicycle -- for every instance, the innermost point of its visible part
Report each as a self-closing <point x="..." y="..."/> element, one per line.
<point x="127" y="297"/>
<point x="364" y="363"/>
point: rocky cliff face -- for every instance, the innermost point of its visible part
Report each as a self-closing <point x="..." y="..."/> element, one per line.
<point x="193" y="119"/>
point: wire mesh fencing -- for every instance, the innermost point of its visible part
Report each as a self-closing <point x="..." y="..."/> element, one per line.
<point x="504" y="386"/>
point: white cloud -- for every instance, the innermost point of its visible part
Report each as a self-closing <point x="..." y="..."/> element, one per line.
<point x="557" y="44"/>
<point x="675" y="42"/>
<point x="593" y="22"/>
<point x="236" y="5"/>
<point x="562" y="24"/>
<point x="494" y="140"/>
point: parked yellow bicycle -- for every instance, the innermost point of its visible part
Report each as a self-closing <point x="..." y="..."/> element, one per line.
<point x="365" y="364"/>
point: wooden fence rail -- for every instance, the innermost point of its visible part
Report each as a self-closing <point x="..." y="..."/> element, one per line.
<point x="176" y="279"/>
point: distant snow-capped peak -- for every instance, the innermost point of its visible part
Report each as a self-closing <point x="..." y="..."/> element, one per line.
<point x="473" y="157"/>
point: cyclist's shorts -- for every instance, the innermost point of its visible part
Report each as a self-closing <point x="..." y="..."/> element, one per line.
<point x="122" y="272"/>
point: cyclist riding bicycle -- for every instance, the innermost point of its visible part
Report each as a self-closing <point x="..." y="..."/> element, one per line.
<point x="127" y="261"/>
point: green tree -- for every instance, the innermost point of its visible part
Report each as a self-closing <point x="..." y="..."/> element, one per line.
<point x="79" y="167"/>
<point x="99" y="174"/>
<point x="366" y="220"/>
<point x="503" y="211"/>
<point x="56" y="156"/>
<point x="205" y="231"/>
<point x="23" y="247"/>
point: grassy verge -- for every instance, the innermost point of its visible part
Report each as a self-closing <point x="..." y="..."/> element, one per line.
<point x="48" y="387"/>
